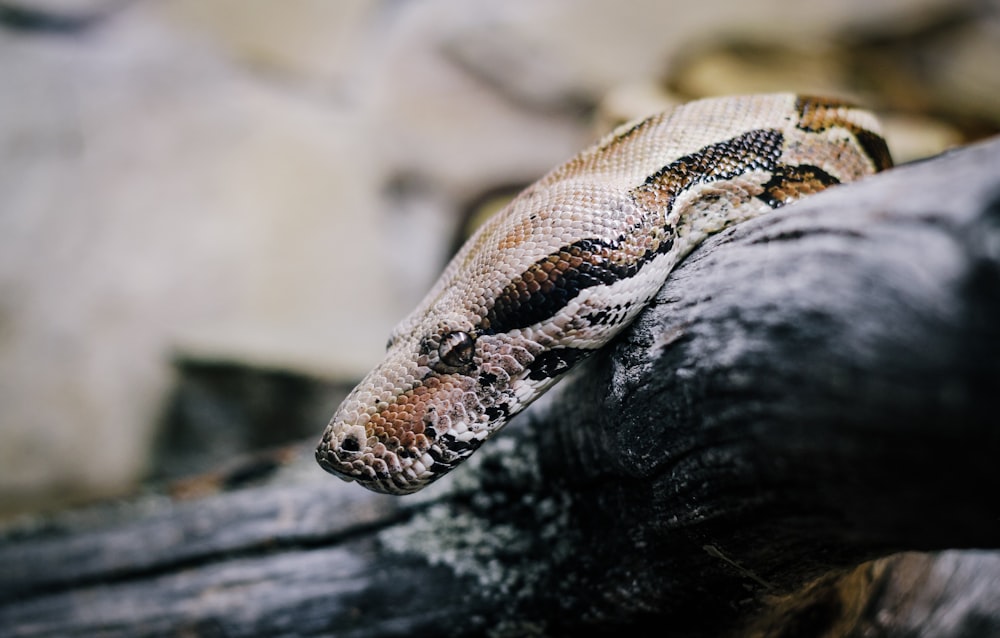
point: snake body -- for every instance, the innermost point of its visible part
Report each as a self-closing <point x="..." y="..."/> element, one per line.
<point x="569" y="263"/>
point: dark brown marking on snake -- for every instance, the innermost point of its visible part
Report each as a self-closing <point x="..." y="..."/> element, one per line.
<point x="814" y="111"/>
<point x="551" y="282"/>
<point x="546" y="286"/>
<point x="598" y="318"/>
<point x="875" y="147"/>
<point x="487" y="379"/>
<point x="792" y="182"/>
<point x="608" y="316"/>
<point x="495" y="412"/>
<point x="555" y="362"/>
<point x="453" y="444"/>
<point x="755" y="150"/>
<point x="818" y="114"/>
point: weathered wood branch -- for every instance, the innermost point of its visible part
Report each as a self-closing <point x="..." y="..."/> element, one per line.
<point x="812" y="390"/>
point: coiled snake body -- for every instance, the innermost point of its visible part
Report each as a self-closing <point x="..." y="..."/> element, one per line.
<point x="570" y="262"/>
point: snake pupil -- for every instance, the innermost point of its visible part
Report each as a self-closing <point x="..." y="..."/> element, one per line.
<point x="456" y="349"/>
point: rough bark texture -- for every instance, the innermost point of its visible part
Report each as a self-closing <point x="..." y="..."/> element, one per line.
<point x="809" y="403"/>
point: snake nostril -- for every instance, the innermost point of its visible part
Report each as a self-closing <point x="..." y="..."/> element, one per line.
<point x="350" y="444"/>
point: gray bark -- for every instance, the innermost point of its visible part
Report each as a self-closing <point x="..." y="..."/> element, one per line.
<point x="810" y="400"/>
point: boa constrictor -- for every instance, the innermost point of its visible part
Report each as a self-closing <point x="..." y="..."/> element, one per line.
<point x="570" y="262"/>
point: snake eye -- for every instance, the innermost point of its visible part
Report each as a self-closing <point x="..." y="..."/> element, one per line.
<point x="456" y="349"/>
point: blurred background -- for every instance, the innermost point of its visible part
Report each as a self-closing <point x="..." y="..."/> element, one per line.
<point x="212" y="213"/>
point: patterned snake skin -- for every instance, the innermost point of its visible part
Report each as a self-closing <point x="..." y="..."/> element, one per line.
<point x="570" y="262"/>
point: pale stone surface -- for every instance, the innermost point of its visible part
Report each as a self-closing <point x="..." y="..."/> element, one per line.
<point x="293" y="42"/>
<point x="151" y="191"/>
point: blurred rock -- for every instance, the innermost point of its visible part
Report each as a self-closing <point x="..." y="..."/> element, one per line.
<point x="223" y="411"/>
<point x="294" y="42"/>
<point x="766" y="66"/>
<point x="923" y="73"/>
<point x="965" y="82"/>
<point x="913" y="137"/>
<point x="55" y="17"/>
<point x="629" y="102"/>
<point x="155" y="196"/>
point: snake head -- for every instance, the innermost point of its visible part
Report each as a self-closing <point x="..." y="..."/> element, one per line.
<point x="520" y="304"/>
<point x="437" y="395"/>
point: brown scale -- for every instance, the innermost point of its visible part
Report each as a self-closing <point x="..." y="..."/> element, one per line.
<point x="795" y="184"/>
<point x="401" y="422"/>
<point x="517" y="236"/>
<point x="820" y="114"/>
<point x="397" y="423"/>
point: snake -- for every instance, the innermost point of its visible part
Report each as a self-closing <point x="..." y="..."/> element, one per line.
<point x="570" y="261"/>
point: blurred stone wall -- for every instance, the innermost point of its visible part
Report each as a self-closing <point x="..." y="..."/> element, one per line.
<point x="276" y="183"/>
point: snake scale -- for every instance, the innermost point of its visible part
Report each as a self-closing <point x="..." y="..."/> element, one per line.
<point x="570" y="261"/>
